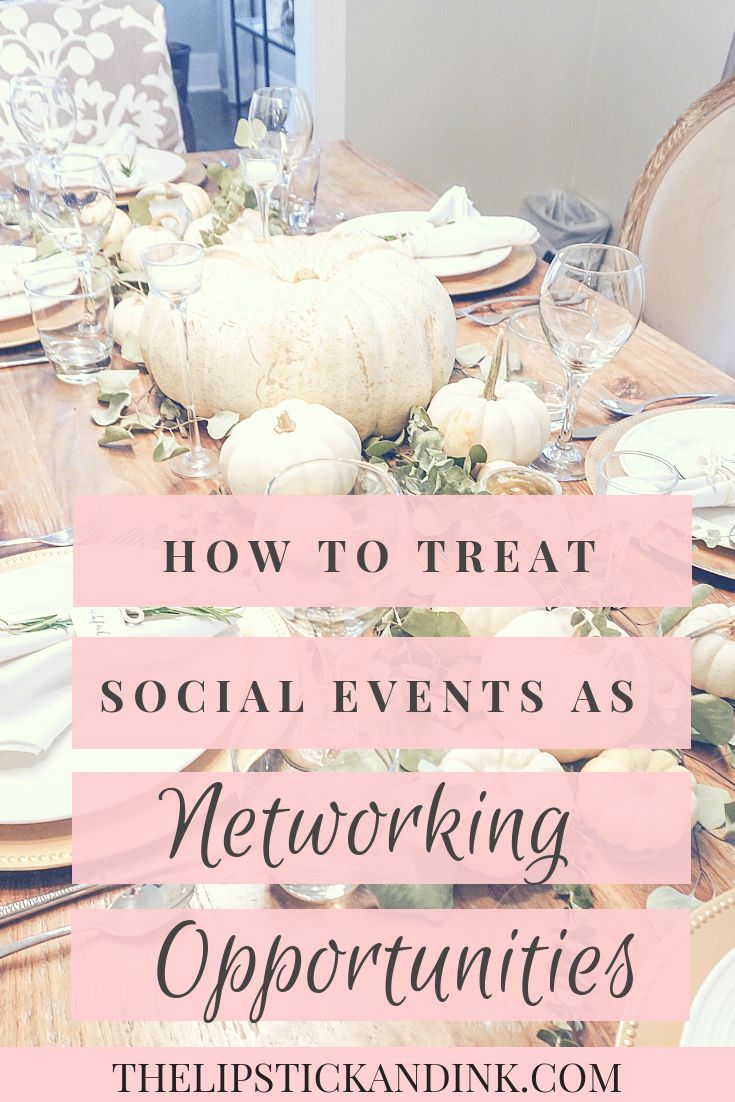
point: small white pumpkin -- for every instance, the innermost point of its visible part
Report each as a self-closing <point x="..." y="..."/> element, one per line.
<point x="572" y="755"/>
<point x="507" y="419"/>
<point x="540" y="623"/>
<point x="195" y="198"/>
<point x="499" y="761"/>
<point x="272" y="439"/>
<point x="713" y="653"/>
<point x="127" y="318"/>
<point x="623" y="760"/>
<point x="485" y="622"/>
<point x="140" y="238"/>
<point x="244" y="230"/>
<point x="119" y="229"/>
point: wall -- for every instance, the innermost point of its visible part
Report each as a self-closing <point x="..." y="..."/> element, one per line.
<point x="511" y="97"/>
<point x="196" y="22"/>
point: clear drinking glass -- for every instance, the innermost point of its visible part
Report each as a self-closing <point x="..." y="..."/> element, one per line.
<point x="302" y="191"/>
<point x="73" y="316"/>
<point x="591" y="302"/>
<point x="332" y="476"/>
<point x="44" y="111"/>
<point x="287" y="116"/>
<point x="14" y="198"/>
<point x="73" y="202"/>
<point x="260" y="166"/>
<point x="629" y="472"/>
<point x="307" y="761"/>
<point x="175" y="273"/>
<point x="531" y="361"/>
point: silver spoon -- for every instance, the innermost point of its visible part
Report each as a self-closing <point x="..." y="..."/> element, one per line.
<point x="63" y="538"/>
<point x="143" y="897"/>
<point x="628" y="409"/>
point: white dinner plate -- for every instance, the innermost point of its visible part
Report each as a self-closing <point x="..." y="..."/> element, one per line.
<point x="443" y="267"/>
<point x="712" y="1018"/>
<point x="151" y="166"/>
<point x="15" y="305"/>
<point x="681" y="436"/>
<point x="37" y="789"/>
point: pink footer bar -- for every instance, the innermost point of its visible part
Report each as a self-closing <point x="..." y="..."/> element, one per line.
<point x="104" y="1075"/>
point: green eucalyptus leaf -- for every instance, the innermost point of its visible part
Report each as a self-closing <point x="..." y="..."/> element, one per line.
<point x="115" y="435"/>
<point x="140" y="422"/>
<point x="140" y="211"/>
<point x="115" y="406"/>
<point x="477" y="454"/>
<point x="113" y="381"/>
<point x="575" y="896"/>
<point x="670" y="617"/>
<point x="407" y="896"/>
<point x="427" y="624"/>
<point x="666" y="898"/>
<point x="171" y="410"/>
<point x="379" y="447"/>
<point x="215" y="170"/>
<point x="711" y="802"/>
<point x="730" y="822"/>
<point x="410" y="760"/>
<point x="470" y="355"/>
<point x="130" y="349"/>
<point x="167" y="448"/>
<point x="712" y="720"/>
<point x="219" y="424"/>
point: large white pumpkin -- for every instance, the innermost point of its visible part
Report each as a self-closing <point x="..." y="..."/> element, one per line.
<point x="341" y="320"/>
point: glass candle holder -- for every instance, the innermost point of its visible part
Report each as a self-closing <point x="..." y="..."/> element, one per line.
<point x="631" y="472"/>
<point x="519" y="480"/>
<point x="175" y="272"/>
<point x="261" y="170"/>
<point x="310" y="761"/>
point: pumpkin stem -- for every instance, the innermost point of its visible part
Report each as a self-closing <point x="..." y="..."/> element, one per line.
<point x="728" y="623"/>
<point x="495" y="365"/>
<point x="284" y="423"/>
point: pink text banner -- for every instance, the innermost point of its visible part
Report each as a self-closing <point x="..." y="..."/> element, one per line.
<point x="358" y="965"/>
<point x="628" y="1074"/>
<point x="381" y="551"/>
<point x="391" y="692"/>
<point x="432" y="828"/>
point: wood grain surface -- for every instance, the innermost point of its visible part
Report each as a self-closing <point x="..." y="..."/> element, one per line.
<point x="49" y="453"/>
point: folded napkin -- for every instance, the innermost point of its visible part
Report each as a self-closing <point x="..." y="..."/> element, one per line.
<point x="118" y="153"/>
<point x="708" y="478"/>
<point x="453" y="227"/>
<point x="35" y="679"/>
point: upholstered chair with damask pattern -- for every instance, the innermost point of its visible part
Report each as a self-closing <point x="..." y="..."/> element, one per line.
<point x="113" y="54"/>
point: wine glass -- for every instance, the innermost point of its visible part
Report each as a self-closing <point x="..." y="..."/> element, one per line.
<point x="286" y="114"/>
<point x="73" y="203"/>
<point x="260" y="166"/>
<point x="175" y="273"/>
<point x="44" y="111"/>
<point x="591" y="302"/>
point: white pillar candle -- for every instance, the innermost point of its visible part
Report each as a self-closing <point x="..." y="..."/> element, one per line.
<point x="261" y="173"/>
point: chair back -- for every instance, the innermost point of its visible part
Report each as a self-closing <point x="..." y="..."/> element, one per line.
<point x="680" y="220"/>
<point x="112" y="52"/>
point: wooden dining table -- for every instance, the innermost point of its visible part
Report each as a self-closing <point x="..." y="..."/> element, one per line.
<point x="49" y="453"/>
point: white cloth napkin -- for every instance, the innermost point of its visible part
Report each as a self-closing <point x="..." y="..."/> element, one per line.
<point x="454" y="227"/>
<point x="35" y="679"/>
<point x="709" y="478"/>
<point x="118" y="152"/>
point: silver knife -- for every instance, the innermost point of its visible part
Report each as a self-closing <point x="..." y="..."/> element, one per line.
<point x="591" y="432"/>
<point x="24" y="361"/>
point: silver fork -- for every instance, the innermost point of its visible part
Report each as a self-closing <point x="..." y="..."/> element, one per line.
<point x="64" y="537"/>
<point x="23" y="908"/>
<point x="629" y="409"/>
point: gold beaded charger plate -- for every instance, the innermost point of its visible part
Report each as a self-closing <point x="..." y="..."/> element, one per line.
<point x="712" y="941"/>
<point x="519" y="264"/>
<point x="719" y="560"/>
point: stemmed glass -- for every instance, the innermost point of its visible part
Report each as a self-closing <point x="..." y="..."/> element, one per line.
<point x="73" y="203"/>
<point x="260" y="166"/>
<point x="332" y="476"/>
<point x="175" y="273"/>
<point x="286" y="114"/>
<point x="44" y="111"/>
<point x="591" y="302"/>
